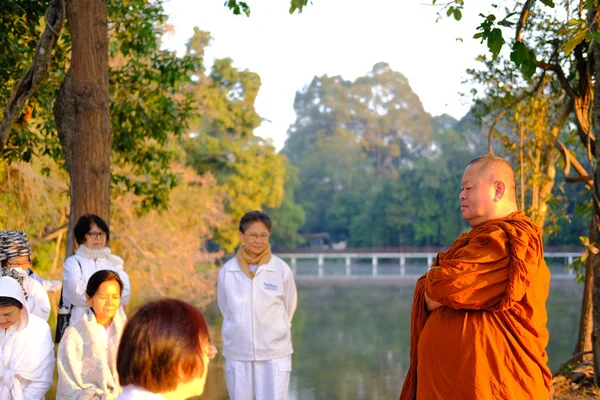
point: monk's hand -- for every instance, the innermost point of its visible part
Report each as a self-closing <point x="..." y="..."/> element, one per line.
<point x="430" y="304"/>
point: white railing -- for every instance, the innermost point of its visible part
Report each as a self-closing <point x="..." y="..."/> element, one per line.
<point x="401" y="257"/>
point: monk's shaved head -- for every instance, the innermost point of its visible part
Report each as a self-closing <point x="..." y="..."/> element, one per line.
<point x="488" y="190"/>
<point x="497" y="169"/>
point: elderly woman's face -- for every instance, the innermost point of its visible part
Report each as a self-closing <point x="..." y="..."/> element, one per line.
<point x="106" y="300"/>
<point x="95" y="238"/>
<point x="256" y="237"/>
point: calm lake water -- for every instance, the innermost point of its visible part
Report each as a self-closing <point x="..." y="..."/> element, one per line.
<point x="351" y="336"/>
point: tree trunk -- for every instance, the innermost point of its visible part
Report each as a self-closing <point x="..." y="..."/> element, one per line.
<point x="584" y="338"/>
<point x="82" y="112"/>
<point x="595" y="236"/>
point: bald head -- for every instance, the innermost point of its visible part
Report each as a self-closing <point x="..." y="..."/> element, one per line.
<point x="488" y="190"/>
<point x="495" y="169"/>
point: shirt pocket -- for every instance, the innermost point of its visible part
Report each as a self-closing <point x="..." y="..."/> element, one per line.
<point x="271" y="288"/>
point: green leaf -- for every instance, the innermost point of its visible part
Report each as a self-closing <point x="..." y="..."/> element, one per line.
<point x="457" y="14"/>
<point x="549" y="3"/>
<point x="575" y="21"/>
<point x="518" y="53"/>
<point x="595" y="36"/>
<point x="449" y="11"/>
<point x="477" y="35"/>
<point x="573" y="42"/>
<point x="495" y="41"/>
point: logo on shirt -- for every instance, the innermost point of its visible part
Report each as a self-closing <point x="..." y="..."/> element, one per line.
<point x="269" y="286"/>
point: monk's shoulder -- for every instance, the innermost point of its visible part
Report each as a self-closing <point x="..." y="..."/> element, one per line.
<point x="488" y="235"/>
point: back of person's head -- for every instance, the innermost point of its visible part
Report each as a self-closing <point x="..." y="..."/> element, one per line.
<point x="164" y="344"/>
<point x="254" y="216"/>
<point x="84" y="225"/>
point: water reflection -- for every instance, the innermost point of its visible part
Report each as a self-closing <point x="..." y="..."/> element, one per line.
<point x="351" y="337"/>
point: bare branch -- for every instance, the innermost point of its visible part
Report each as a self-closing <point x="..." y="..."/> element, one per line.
<point x="560" y="74"/>
<point x="37" y="73"/>
<point x="571" y="160"/>
<point x="523" y="19"/>
<point x="511" y="105"/>
<point x="51" y="236"/>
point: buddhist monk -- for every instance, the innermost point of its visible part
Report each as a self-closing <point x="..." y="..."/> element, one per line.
<point x="478" y="325"/>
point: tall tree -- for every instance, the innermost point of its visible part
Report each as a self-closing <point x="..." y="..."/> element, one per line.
<point x="143" y="79"/>
<point x="247" y="166"/>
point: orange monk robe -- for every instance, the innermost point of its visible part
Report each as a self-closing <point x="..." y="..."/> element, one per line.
<point x="488" y="340"/>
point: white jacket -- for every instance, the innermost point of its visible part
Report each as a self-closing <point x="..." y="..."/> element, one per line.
<point x="26" y="353"/>
<point x="37" y="301"/>
<point x="75" y="279"/>
<point x="257" y="313"/>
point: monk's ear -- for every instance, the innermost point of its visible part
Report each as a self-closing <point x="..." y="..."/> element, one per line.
<point x="499" y="190"/>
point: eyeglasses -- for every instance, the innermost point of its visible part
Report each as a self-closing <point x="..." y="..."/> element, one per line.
<point x="255" y="236"/>
<point x="96" y="235"/>
<point x="21" y="264"/>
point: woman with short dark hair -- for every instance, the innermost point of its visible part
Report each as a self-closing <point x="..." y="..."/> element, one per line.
<point x="257" y="297"/>
<point x="87" y="354"/>
<point x="164" y="352"/>
<point x="93" y="254"/>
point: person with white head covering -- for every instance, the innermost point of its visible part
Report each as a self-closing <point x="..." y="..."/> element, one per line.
<point x="93" y="254"/>
<point x="15" y="257"/>
<point x="26" y="349"/>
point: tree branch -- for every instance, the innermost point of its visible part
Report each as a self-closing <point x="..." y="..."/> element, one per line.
<point x="511" y="105"/>
<point x="570" y="160"/>
<point x="560" y="74"/>
<point x="523" y="19"/>
<point x="37" y="73"/>
<point x="51" y="236"/>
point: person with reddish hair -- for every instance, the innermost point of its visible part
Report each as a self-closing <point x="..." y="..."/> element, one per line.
<point x="164" y="352"/>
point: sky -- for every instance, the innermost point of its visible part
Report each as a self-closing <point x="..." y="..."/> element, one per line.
<point x="335" y="37"/>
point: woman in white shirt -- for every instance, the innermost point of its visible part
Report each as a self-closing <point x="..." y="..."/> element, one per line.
<point x="87" y="353"/>
<point x="26" y="348"/>
<point x="92" y="234"/>
<point x="15" y="257"/>
<point x="164" y="352"/>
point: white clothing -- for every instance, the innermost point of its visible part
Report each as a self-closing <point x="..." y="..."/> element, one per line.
<point x="27" y="352"/>
<point x="78" y="270"/>
<point x="131" y="392"/>
<point x="38" y="302"/>
<point x="87" y="360"/>
<point x="267" y="380"/>
<point x="257" y="313"/>
<point x="48" y="285"/>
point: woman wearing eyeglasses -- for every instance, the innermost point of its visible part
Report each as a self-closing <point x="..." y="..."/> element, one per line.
<point x="257" y="297"/>
<point x="93" y="254"/>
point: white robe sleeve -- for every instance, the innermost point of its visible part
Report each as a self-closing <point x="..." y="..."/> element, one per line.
<point x="40" y="368"/>
<point x="41" y="302"/>
<point x="73" y="283"/>
<point x="126" y="293"/>
<point x="291" y="295"/>
<point x="221" y="295"/>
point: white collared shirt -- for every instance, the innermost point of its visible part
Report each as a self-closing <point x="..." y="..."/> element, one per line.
<point x="257" y="313"/>
<point x="131" y="392"/>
